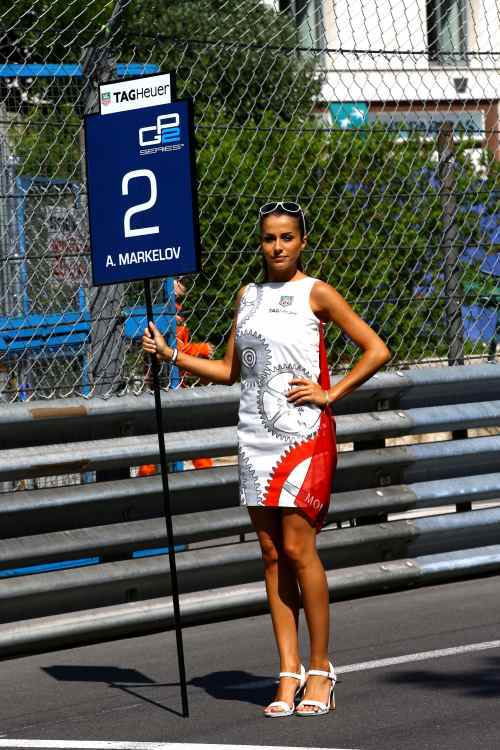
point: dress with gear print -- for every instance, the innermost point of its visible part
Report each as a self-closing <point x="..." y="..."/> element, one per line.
<point x="287" y="453"/>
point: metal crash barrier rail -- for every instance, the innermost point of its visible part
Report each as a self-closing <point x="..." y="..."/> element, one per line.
<point x="368" y="545"/>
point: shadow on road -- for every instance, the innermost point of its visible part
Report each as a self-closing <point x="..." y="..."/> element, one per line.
<point x="231" y="685"/>
<point x="237" y="685"/>
<point x="75" y="673"/>
<point x="479" y="683"/>
<point x="114" y="677"/>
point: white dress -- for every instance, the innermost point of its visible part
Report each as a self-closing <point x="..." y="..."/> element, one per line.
<point x="287" y="453"/>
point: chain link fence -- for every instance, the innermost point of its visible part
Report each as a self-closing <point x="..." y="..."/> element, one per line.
<point x="380" y="118"/>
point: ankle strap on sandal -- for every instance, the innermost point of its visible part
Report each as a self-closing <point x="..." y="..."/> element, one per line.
<point x="323" y="673"/>
<point x="291" y="674"/>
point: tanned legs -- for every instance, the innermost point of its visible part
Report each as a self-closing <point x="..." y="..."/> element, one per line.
<point x="292" y="566"/>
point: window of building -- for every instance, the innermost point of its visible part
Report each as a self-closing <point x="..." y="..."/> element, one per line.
<point x="447" y="31"/>
<point x="308" y="15"/>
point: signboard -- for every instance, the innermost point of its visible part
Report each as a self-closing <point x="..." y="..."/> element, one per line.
<point x="142" y="193"/>
<point x="143" y="219"/>
<point x="122" y="95"/>
<point x="67" y="243"/>
<point x="348" y="115"/>
<point x="426" y="123"/>
<point x="469" y="124"/>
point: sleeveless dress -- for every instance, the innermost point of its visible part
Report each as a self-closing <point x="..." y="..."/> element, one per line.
<point x="287" y="453"/>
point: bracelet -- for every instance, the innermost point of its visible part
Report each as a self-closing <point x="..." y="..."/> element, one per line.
<point x="327" y="399"/>
<point x="175" y="354"/>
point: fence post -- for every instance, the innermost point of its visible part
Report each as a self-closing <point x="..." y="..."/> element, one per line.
<point x="453" y="290"/>
<point x="107" y="344"/>
<point x="106" y="337"/>
<point x="12" y="289"/>
<point x="447" y="190"/>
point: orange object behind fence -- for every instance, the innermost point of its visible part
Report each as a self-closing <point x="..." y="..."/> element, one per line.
<point x="195" y="349"/>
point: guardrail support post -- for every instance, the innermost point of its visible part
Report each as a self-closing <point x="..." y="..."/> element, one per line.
<point x="360" y="445"/>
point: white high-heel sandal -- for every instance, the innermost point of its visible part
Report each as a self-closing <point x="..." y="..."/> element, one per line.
<point x="288" y="710"/>
<point x="323" y="707"/>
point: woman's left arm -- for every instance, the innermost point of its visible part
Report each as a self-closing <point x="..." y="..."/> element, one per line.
<point x="329" y="306"/>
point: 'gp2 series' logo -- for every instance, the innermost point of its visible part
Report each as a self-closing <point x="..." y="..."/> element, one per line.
<point x="165" y="135"/>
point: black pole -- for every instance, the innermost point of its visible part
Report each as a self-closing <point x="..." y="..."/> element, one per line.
<point x="168" y="514"/>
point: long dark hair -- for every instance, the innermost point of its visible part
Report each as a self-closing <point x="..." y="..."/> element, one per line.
<point x="301" y="223"/>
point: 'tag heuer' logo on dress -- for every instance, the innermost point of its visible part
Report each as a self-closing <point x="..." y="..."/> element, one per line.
<point x="285" y="300"/>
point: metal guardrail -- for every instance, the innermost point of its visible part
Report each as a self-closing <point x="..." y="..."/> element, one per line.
<point x="156" y="614"/>
<point x="121" y="540"/>
<point x="44" y="422"/>
<point x="115" y="582"/>
<point x="195" y="493"/>
<point x="72" y="507"/>
<point x="222" y="441"/>
<point x="52" y="525"/>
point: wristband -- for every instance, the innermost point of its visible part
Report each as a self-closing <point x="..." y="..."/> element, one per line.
<point x="327" y="398"/>
<point x="175" y="354"/>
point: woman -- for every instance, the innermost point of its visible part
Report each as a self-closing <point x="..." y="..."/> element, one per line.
<point x="286" y="434"/>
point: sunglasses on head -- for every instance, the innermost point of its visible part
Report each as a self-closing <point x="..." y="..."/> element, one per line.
<point x="288" y="206"/>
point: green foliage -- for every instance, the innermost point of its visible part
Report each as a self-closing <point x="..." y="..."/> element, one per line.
<point x="49" y="143"/>
<point x="51" y="31"/>
<point x="44" y="112"/>
<point x="375" y="217"/>
<point x="216" y="50"/>
<point x="372" y="200"/>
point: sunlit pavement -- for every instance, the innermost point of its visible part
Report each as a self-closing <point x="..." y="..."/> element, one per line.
<point x="417" y="669"/>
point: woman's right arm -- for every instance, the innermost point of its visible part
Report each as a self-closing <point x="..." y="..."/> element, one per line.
<point x="225" y="370"/>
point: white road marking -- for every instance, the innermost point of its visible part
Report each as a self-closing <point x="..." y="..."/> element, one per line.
<point x="419" y="656"/>
<point x="105" y="745"/>
<point x="378" y="663"/>
<point x="360" y="666"/>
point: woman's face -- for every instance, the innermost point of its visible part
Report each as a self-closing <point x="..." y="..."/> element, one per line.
<point x="281" y="243"/>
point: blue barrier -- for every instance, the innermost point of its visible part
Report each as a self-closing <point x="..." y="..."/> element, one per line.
<point x="71" y="70"/>
<point x="83" y="562"/>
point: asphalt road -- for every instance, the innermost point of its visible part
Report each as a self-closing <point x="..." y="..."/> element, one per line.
<point x="128" y="689"/>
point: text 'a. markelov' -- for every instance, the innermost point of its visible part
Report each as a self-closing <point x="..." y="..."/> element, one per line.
<point x="159" y="254"/>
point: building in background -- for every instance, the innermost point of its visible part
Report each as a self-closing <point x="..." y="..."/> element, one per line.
<point x="415" y="63"/>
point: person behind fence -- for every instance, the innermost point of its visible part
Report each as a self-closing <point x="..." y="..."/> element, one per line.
<point x="203" y="349"/>
<point x="287" y="438"/>
<point x="184" y="344"/>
